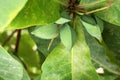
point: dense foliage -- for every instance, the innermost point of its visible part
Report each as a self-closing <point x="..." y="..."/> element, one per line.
<point x="59" y="40"/>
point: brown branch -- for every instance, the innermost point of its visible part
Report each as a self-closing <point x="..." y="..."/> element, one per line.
<point x="17" y="41"/>
<point x="9" y="38"/>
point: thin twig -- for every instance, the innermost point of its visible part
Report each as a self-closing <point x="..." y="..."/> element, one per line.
<point x="9" y="38"/>
<point x="17" y="41"/>
<point x="53" y="37"/>
<point x="96" y="10"/>
<point x="50" y="44"/>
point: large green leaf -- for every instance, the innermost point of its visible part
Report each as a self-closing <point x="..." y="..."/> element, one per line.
<point x="112" y="13"/>
<point x="75" y="65"/>
<point x="8" y="10"/>
<point x="48" y="31"/>
<point x="36" y="12"/>
<point x="9" y="67"/>
<point x="111" y="36"/>
<point x="27" y="51"/>
<point x="57" y="66"/>
<point x="99" y="55"/>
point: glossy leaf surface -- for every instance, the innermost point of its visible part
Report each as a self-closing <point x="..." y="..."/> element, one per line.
<point x="48" y="31"/>
<point x="36" y="12"/>
<point x="8" y="11"/>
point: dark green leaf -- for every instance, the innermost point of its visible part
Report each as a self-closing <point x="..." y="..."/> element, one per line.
<point x="111" y="36"/>
<point x="108" y="77"/>
<point x="1" y="78"/>
<point x="100" y="23"/>
<point x="99" y="55"/>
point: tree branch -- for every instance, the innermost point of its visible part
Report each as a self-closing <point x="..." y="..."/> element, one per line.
<point x="17" y="41"/>
<point x="9" y="38"/>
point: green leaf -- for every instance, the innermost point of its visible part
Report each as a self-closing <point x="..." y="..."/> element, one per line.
<point x="111" y="14"/>
<point x="75" y="65"/>
<point x="81" y="57"/>
<point x="66" y="36"/>
<point x="89" y="19"/>
<point x="27" y="51"/>
<point x="88" y="1"/>
<point x="108" y="78"/>
<point x="10" y="69"/>
<point x="57" y="66"/>
<point x="91" y="5"/>
<point x="36" y="12"/>
<point x="92" y="28"/>
<point x="100" y="23"/>
<point x="62" y="21"/>
<point x="8" y="10"/>
<point x="1" y="78"/>
<point x="99" y="55"/>
<point x="111" y="36"/>
<point x="42" y="44"/>
<point x="25" y="75"/>
<point x="48" y="31"/>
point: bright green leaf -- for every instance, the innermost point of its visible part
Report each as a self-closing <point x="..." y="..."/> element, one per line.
<point x="48" y="31"/>
<point x="81" y="57"/>
<point x="75" y="65"/>
<point x="66" y="36"/>
<point x="8" y="10"/>
<point x="57" y="66"/>
<point x="36" y="12"/>
<point x="10" y="69"/>
<point x="62" y="21"/>
<point x="93" y="29"/>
